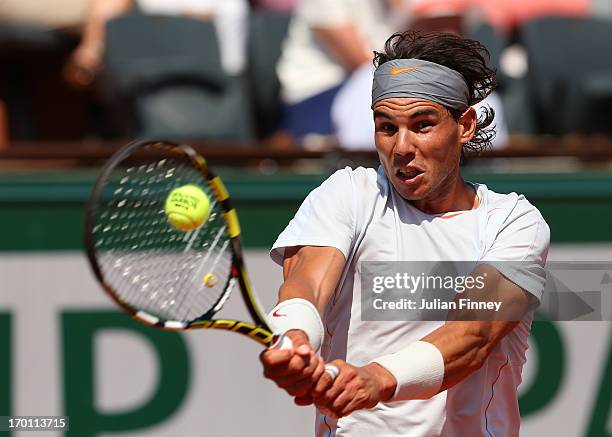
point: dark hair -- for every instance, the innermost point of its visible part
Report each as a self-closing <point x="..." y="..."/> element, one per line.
<point x="466" y="56"/>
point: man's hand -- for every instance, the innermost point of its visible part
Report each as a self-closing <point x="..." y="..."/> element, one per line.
<point x="354" y="388"/>
<point x="296" y="370"/>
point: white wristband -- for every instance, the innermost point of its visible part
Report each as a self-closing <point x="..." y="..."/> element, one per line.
<point x="418" y="370"/>
<point x="298" y="314"/>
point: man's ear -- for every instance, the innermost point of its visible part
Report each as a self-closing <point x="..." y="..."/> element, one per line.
<point x="467" y="125"/>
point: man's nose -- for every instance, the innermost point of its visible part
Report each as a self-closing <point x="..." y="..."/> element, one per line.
<point x="404" y="148"/>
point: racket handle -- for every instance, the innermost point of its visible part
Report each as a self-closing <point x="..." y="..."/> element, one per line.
<point x="282" y="342"/>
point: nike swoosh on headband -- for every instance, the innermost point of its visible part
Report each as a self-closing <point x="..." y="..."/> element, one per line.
<point x="395" y="71"/>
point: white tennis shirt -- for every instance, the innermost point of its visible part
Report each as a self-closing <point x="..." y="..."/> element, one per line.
<point x="359" y="213"/>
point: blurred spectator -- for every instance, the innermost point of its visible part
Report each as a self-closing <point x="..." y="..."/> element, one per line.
<point x="283" y="6"/>
<point x="35" y="40"/>
<point x="505" y="15"/>
<point x="601" y="8"/>
<point x="64" y="13"/>
<point x="508" y="15"/>
<point x="327" y="42"/>
<point x="325" y="69"/>
<point x="230" y="18"/>
<point x="85" y="61"/>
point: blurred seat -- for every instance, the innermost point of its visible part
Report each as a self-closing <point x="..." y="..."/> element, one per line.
<point x="167" y="73"/>
<point x="488" y="36"/>
<point x="22" y="37"/>
<point x="518" y="113"/>
<point x="570" y="73"/>
<point x="266" y="35"/>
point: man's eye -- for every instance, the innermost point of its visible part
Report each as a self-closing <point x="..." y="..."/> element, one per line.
<point x="423" y="125"/>
<point x="387" y="128"/>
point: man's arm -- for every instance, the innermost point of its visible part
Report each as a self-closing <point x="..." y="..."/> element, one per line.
<point x="468" y="337"/>
<point x="345" y="45"/>
<point x="86" y="59"/>
<point x="463" y="344"/>
<point x="310" y="273"/>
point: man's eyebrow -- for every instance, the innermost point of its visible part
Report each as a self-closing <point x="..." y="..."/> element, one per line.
<point x="421" y="113"/>
<point x="424" y="112"/>
<point x="379" y="113"/>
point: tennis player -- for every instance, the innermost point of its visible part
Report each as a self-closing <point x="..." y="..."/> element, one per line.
<point x="454" y="377"/>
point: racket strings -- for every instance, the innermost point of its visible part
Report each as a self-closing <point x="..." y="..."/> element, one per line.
<point x="211" y="268"/>
<point x="171" y="274"/>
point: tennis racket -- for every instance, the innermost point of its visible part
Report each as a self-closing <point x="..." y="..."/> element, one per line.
<point x="162" y="276"/>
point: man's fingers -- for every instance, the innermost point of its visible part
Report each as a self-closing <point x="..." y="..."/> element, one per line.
<point x="292" y="369"/>
<point x="347" y="409"/>
<point x="302" y="401"/>
<point x="290" y="380"/>
<point x="341" y="401"/>
<point x="301" y="384"/>
<point x="319" y="369"/>
<point x="324" y="382"/>
<point x="328" y="412"/>
<point x="275" y="357"/>
<point x="296" y="370"/>
<point x="311" y="372"/>
<point x="301" y="345"/>
<point x="282" y="342"/>
<point x="327" y="398"/>
<point x="328" y="387"/>
<point x="300" y="388"/>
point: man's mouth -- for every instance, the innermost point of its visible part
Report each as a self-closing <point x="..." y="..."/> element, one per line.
<point x="408" y="174"/>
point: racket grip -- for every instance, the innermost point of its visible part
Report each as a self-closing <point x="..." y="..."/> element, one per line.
<point x="282" y="342"/>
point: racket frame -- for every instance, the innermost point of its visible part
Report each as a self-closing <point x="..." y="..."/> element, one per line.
<point x="259" y="330"/>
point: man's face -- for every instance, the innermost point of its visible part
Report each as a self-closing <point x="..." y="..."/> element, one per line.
<point x="419" y="145"/>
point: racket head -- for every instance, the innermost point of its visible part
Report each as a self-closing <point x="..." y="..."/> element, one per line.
<point x="160" y="275"/>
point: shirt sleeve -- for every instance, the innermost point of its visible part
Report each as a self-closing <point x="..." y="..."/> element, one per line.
<point x="520" y="250"/>
<point x="325" y="218"/>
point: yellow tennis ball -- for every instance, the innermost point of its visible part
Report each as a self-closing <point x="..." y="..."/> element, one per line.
<point x="187" y="207"/>
<point x="210" y="280"/>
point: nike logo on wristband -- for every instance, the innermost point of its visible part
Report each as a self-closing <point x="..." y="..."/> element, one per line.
<point x="276" y="314"/>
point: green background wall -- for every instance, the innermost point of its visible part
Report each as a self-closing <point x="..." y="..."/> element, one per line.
<point x="44" y="211"/>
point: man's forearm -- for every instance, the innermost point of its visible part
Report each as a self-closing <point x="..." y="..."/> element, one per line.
<point x="466" y="345"/>
<point x="294" y="288"/>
